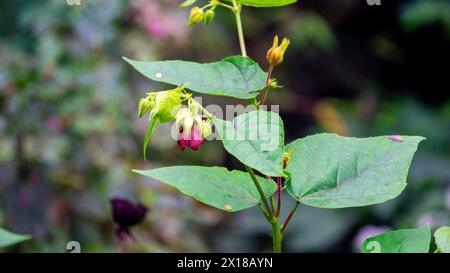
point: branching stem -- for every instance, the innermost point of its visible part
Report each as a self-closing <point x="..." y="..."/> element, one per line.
<point x="288" y="219"/>
<point x="260" y="190"/>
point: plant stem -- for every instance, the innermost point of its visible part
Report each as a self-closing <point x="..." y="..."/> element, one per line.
<point x="226" y="6"/>
<point x="266" y="215"/>
<point x="258" y="187"/>
<point x="266" y="89"/>
<point x="207" y="6"/>
<point x="269" y="211"/>
<point x="280" y="185"/>
<point x="286" y="222"/>
<point x="277" y="236"/>
<point x="237" y="14"/>
<point x="204" y="111"/>
<point x="272" y="202"/>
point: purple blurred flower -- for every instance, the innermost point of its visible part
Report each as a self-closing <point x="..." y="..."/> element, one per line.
<point x="126" y="215"/>
<point x="367" y="232"/>
<point x="156" y="28"/>
<point x="161" y="20"/>
<point x="433" y="219"/>
<point x="55" y="124"/>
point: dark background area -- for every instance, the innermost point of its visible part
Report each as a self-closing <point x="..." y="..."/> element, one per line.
<point x="69" y="135"/>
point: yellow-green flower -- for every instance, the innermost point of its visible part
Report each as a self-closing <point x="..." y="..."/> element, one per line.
<point x="275" y="55"/>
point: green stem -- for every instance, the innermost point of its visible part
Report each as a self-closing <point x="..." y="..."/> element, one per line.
<point x="266" y="89"/>
<point x="226" y="6"/>
<point x="237" y="14"/>
<point x="272" y="202"/>
<point x="266" y="215"/>
<point x="269" y="211"/>
<point x="277" y="236"/>
<point x="207" y="6"/>
<point x="260" y="190"/>
<point x="204" y="111"/>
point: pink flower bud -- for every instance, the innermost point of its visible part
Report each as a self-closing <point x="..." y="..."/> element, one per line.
<point x="196" y="138"/>
<point x="183" y="139"/>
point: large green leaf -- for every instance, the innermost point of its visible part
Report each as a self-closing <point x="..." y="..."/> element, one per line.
<point x="214" y="186"/>
<point x="235" y="76"/>
<point x="442" y="238"/>
<point x="399" y="241"/>
<point x="8" y="238"/>
<point x="255" y="138"/>
<point x="331" y="171"/>
<point x="265" y="3"/>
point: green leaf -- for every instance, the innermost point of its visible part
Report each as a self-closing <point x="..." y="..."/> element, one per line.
<point x="331" y="171"/>
<point x="442" y="238"/>
<point x="399" y="241"/>
<point x="8" y="238"/>
<point x="214" y="186"/>
<point x="187" y="3"/>
<point x="265" y="3"/>
<point x="255" y="138"/>
<point x="236" y="76"/>
<point x="151" y="127"/>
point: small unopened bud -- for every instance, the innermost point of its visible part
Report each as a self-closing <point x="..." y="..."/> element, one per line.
<point x="143" y="107"/>
<point x="206" y="128"/>
<point x="274" y="84"/>
<point x="197" y="16"/>
<point x="275" y="55"/>
<point x="209" y="17"/>
<point x="287" y="158"/>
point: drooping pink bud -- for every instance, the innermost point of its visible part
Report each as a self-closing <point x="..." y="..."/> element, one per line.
<point x="183" y="139"/>
<point x="196" y="138"/>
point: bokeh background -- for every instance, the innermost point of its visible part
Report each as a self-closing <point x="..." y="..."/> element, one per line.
<point x="69" y="134"/>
